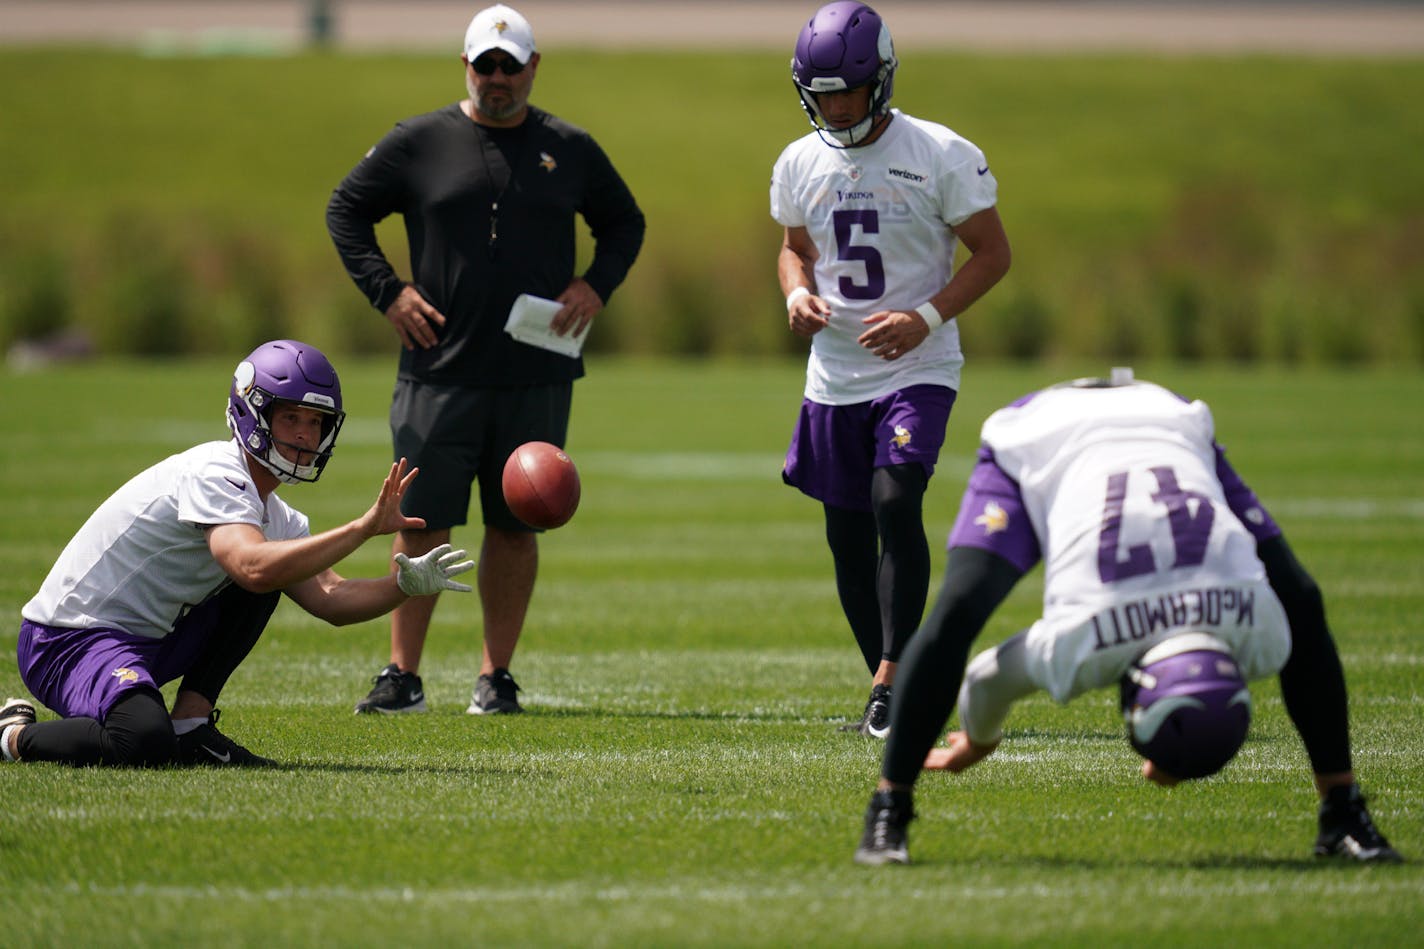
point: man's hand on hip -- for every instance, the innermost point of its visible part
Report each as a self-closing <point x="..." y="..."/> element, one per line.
<point x="414" y="319"/>
<point x="581" y="304"/>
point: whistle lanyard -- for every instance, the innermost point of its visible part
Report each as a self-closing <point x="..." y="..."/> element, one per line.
<point x="511" y="150"/>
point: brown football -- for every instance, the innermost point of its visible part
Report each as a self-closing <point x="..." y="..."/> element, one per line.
<point x="541" y="485"/>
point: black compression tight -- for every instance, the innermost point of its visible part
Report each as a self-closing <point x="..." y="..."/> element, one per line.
<point x="136" y="733"/>
<point x="928" y="678"/>
<point x="242" y="616"/>
<point x="882" y="562"/>
<point x="1312" y="681"/>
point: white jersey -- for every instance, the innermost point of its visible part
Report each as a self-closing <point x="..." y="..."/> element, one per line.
<point x="882" y="217"/>
<point x="142" y="561"/>
<point x="1138" y="539"/>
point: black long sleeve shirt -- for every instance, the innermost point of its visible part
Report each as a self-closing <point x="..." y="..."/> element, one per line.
<point x="444" y="174"/>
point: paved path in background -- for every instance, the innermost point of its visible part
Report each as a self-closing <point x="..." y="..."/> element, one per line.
<point x="1344" y="28"/>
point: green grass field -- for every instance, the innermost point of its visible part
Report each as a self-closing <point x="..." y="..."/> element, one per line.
<point x="679" y="779"/>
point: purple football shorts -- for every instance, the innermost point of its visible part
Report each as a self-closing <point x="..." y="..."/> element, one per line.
<point x="81" y="673"/>
<point x="836" y="448"/>
<point x="992" y="516"/>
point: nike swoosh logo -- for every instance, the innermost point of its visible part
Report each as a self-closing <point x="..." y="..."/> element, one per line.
<point x="984" y="170"/>
<point x="225" y="757"/>
<point x="416" y="697"/>
<point x="240" y="485"/>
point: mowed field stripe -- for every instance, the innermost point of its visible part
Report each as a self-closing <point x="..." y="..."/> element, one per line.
<point x="1179" y="887"/>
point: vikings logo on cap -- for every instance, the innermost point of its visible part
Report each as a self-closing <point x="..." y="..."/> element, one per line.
<point x="499" y="27"/>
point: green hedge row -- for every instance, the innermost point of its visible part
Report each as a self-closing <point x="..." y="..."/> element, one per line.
<point x="1195" y="208"/>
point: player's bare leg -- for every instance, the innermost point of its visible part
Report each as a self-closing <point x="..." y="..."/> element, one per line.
<point x="410" y="622"/>
<point x="509" y="563"/>
<point x="397" y="688"/>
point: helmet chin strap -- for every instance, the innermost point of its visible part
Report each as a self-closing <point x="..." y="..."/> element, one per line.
<point x="855" y="135"/>
<point x="852" y="137"/>
<point x="289" y="471"/>
<point x="285" y="470"/>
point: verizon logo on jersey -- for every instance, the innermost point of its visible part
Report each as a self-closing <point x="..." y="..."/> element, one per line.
<point x="907" y="175"/>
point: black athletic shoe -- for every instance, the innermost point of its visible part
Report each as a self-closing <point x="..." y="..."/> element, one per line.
<point x="886" y="820"/>
<point x="495" y="695"/>
<point x="205" y="745"/>
<point x="1347" y="831"/>
<point x="875" y="722"/>
<point x="393" y="691"/>
<point x="16" y="712"/>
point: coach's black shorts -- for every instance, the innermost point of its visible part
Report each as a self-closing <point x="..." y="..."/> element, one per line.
<point x="457" y="434"/>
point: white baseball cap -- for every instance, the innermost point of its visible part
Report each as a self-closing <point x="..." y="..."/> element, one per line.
<point x="499" y="27"/>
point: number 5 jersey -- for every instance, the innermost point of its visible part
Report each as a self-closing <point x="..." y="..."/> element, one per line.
<point x="882" y="217"/>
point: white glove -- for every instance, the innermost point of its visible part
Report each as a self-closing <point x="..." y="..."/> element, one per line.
<point x="431" y="573"/>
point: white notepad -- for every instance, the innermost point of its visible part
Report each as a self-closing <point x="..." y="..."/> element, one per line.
<point x="529" y="321"/>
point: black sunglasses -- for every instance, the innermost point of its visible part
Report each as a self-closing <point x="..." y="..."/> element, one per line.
<point x="485" y="64"/>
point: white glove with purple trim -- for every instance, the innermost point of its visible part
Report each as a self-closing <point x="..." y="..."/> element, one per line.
<point x="431" y="573"/>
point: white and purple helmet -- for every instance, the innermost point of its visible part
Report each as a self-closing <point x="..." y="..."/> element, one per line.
<point x="844" y="46"/>
<point x="284" y="371"/>
<point x="1186" y="705"/>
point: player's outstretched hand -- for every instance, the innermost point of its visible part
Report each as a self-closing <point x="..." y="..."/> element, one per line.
<point x="385" y="515"/>
<point x="960" y="754"/>
<point x="431" y="573"/>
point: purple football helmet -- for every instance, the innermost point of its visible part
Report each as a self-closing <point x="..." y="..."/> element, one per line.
<point x="845" y="45"/>
<point x="287" y="371"/>
<point x="1186" y="705"/>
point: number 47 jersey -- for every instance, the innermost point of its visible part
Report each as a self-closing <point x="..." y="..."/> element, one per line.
<point x="1143" y="528"/>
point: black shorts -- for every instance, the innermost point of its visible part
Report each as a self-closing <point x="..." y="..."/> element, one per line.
<point x="457" y="435"/>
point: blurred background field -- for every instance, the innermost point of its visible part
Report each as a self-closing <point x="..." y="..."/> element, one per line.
<point x="1243" y="207"/>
